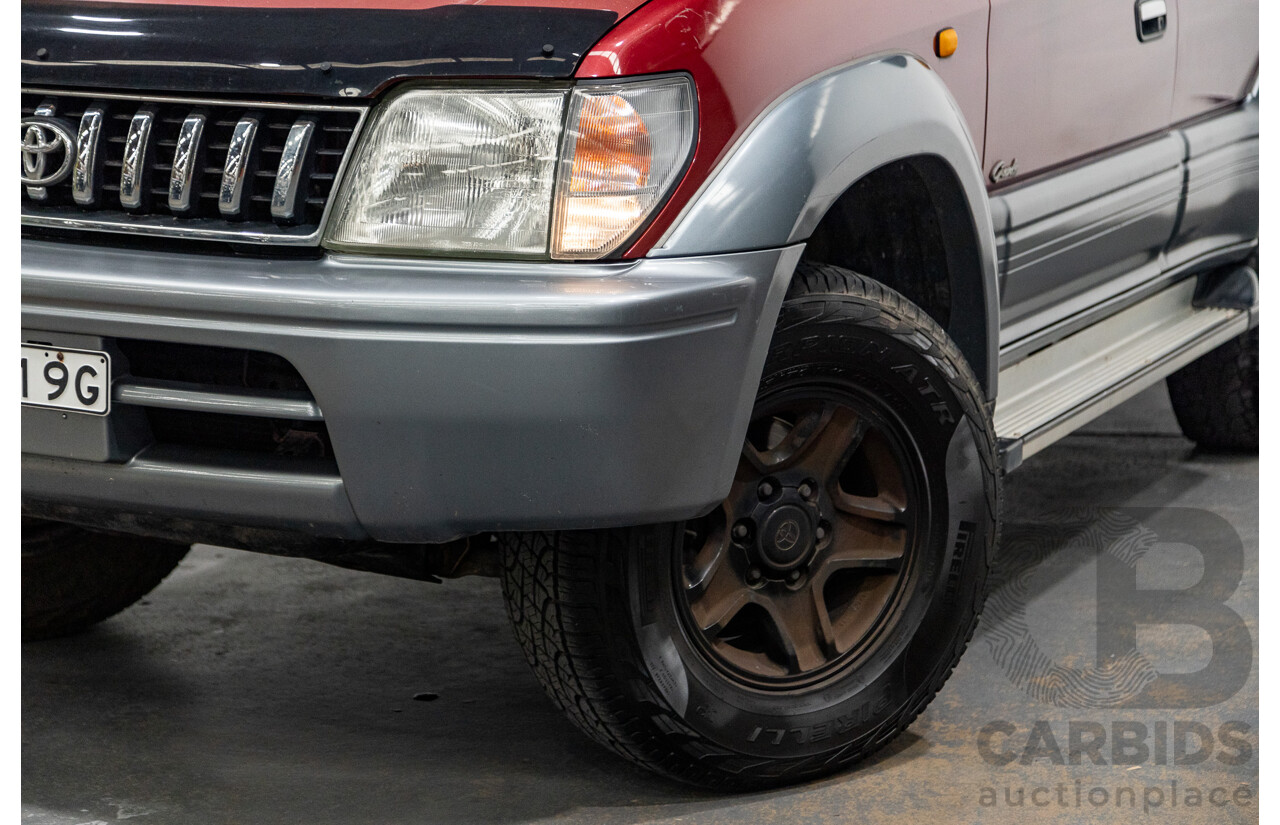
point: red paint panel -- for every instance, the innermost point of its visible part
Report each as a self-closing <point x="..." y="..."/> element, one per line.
<point x="745" y="55"/>
<point x="1069" y="80"/>
<point x="1217" y="53"/>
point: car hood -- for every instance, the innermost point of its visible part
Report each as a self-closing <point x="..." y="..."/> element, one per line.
<point x="321" y="48"/>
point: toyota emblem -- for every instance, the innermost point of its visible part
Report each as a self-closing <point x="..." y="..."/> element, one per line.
<point x="787" y="536"/>
<point x="48" y="150"/>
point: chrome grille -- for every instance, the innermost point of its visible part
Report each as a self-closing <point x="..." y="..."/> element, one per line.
<point x="239" y="171"/>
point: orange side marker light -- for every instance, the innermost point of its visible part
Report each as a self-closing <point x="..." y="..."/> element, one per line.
<point x="945" y="42"/>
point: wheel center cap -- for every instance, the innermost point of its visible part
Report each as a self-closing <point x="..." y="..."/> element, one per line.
<point x="786" y="537"/>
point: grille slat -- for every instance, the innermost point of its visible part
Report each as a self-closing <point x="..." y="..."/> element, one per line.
<point x="220" y="198"/>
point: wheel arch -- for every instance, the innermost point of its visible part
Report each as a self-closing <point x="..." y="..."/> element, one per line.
<point x="803" y="157"/>
<point x="906" y="225"/>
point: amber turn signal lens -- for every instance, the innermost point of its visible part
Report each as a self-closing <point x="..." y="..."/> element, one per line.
<point x="945" y="42"/>
<point x="613" y="153"/>
<point x="624" y="148"/>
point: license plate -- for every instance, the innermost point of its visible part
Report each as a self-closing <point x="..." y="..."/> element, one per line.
<point x="73" y="380"/>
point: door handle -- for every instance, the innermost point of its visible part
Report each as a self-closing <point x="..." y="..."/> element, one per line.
<point x="1153" y="19"/>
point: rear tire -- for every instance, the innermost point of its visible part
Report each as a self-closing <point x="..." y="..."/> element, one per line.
<point x="1215" y="397"/>
<point x="73" y="578"/>
<point x="805" y="623"/>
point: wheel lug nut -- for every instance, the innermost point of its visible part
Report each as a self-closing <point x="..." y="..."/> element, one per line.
<point x="765" y="489"/>
<point x="793" y="576"/>
<point x="754" y="574"/>
<point x="821" y="532"/>
<point x="741" y="530"/>
<point x="805" y="490"/>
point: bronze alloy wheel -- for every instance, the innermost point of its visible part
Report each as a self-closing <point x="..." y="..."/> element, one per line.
<point x="794" y="577"/>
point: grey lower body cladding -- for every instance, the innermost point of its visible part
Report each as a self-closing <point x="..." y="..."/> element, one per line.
<point x="446" y="398"/>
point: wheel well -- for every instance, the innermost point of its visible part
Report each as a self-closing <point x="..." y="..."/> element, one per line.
<point x="908" y="225"/>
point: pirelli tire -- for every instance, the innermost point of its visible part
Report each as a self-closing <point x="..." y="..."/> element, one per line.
<point x="688" y="648"/>
<point x="73" y="578"/>
<point x="1215" y="397"/>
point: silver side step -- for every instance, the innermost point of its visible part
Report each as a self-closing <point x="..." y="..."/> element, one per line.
<point x="1049" y="394"/>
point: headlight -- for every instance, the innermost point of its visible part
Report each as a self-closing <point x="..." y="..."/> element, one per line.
<point x="485" y="172"/>
<point x="453" y="171"/>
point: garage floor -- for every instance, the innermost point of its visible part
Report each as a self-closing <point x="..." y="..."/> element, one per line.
<point x="257" y="690"/>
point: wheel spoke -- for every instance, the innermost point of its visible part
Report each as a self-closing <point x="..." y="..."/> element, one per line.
<point x="753" y="462"/>
<point x="723" y="595"/>
<point x="884" y="507"/>
<point x="879" y="557"/>
<point x="786" y="452"/>
<point x="860" y="616"/>
<point x="822" y="440"/>
<point x="890" y="501"/>
<point x="751" y="661"/>
<point x="795" y="617"/>
<point x="861" y="545"/>
<point x="829" y="449"/>
<point x="709" y="559"/>
<point x="826" y="632"/>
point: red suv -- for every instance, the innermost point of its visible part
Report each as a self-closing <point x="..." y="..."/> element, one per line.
<point x="710" y="326"/>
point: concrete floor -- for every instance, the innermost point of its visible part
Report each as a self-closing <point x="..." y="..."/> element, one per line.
<point x="257" y="690"/>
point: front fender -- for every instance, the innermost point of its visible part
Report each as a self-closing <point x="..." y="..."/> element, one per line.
<point x="819" y="139"/>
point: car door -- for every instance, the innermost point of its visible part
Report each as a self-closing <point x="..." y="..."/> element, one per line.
<point x="1085" y="183"/>
<point x="1217" y="66"/>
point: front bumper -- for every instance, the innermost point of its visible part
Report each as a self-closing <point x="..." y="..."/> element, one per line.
<point x="459" y="397"/>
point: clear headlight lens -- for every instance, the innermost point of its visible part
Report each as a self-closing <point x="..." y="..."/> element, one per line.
<point x="478" y="172"/>
<point x="626" y="144"/>
<point x="454" y="171"/>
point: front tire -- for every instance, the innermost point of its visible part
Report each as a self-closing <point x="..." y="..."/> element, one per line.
<point x="809" y="619"/>
<point x="73" y="578"/>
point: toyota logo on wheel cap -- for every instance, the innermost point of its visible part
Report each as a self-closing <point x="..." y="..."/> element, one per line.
<point x="787" y="536"/>
<point x="48" y="149"/>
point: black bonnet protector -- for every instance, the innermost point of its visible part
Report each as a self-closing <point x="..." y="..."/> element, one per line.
<point x="337" y="53"/>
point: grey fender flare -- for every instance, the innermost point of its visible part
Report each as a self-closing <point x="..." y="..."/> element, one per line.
<point x="819" y="139"/>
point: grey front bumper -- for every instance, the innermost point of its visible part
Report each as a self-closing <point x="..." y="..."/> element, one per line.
<point x="459" y="397"/>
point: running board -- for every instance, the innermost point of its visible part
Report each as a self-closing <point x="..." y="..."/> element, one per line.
<point x="1067" y="384"/>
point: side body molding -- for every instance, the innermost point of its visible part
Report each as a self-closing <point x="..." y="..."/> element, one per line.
<point x="817" y="141"/>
